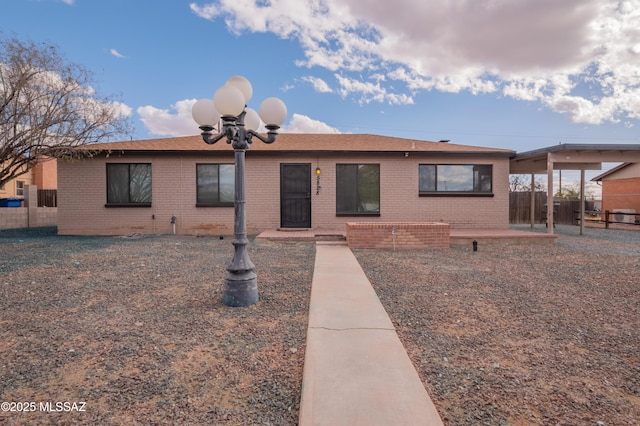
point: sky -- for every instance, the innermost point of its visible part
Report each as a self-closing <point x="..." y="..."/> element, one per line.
<point x="514" y="74"/>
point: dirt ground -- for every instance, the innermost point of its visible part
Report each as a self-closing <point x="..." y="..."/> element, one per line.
<point x="135" y="329"/>
<point x="522" y="335"/>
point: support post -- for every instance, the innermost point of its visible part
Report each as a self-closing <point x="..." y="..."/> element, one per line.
<point x="532" y="203"/>
<point x="582" y="201"/>
<point x="549" y="194"/>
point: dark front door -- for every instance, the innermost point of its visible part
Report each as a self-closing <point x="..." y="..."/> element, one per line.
<point x="295" y="195"/>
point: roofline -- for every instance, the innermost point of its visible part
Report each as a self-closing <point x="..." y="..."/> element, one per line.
<point x="288" y="153"/>
<point x="578" y="147"/>
<point x="609" y="172"/>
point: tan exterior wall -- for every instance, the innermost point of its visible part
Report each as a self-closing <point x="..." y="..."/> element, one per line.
<point x="82" y="196"/>
<point x="44" y="176"/>
<point x="9" y="189"/>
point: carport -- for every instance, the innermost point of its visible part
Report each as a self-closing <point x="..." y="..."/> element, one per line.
<point x="569" y="157"/>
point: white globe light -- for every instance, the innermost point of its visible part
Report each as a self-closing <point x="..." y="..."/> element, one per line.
<point x="229" y="101"/>
<point x="251" y="119"/>
<point x="273" y="111"/>
<point x="204" y="112"/>
<point x="243" y="85"/>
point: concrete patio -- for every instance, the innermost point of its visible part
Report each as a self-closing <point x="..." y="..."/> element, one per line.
<point x="459" y="237"/>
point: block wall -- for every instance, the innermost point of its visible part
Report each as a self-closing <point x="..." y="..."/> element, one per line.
<point x="29" y="216"/>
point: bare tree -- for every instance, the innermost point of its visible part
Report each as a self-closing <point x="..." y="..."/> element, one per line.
<point x="48" y="107"/>
<point x="522" y="183"/>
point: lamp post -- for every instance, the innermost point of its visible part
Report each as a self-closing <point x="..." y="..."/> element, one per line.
<point x="239" y="126"/>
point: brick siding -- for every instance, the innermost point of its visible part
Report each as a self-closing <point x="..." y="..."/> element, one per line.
<point x="82" y="195"/>
<point x="621" y="194"/>
<point x="398" y="235"/>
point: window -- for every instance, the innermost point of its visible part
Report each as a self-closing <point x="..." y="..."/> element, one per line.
<point x="128" y="185"/>
<point x="20" y="188"/>
<point x="215" y="184"/>
<point x="358" y="189"/>
<point x="455" y="179"/>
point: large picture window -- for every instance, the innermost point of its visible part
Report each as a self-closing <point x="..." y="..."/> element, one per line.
<point x="215" y="184"/>
<point x="455" y="179"/>
<point x="128" y="185"/>
<point x="358" y="189"/>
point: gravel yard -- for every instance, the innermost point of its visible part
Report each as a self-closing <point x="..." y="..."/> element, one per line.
<point x="520" y="335"/>
<point x="135" y="328"/>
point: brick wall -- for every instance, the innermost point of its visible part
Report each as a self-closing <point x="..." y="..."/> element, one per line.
<point x="621" y="194"/>
<point x="398" y="235"/>
<point x="82" y="195"/>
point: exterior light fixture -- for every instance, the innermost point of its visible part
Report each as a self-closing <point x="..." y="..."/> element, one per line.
<point x="318" y="180"/>
<point x="239" y="126"/>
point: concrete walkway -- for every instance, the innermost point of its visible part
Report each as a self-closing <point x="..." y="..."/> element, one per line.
<point x="356" y="371"/>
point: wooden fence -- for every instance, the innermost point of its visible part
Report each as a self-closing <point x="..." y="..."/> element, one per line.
<point x="564" y="211"/>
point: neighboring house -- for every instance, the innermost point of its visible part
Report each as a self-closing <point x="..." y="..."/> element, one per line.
<point x="311" y="181"/>
<point x="24" y="192"/>
<point x="44" y="175"/>
<point x="621" y="190"/>
<point x="15" y="188"/>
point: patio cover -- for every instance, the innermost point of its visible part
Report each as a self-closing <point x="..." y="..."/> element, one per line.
<point x="570" y="157"/>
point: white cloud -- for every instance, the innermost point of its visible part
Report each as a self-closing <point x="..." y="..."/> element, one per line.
<point x="318" y="84"/>
<point x="303" y="124"/>
<point x="576" y="57"/>
<point x="206" y="12"/>
<point x="115" y="53"/>
<point x="176" y="121"/>
<point x="370" y="91"/>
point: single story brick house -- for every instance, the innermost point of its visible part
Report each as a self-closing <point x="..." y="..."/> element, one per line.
<point x="306" y="181"/>
<point x="621" y="191"/>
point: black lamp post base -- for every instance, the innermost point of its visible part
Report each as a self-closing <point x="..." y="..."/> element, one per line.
<point x="240" y="289"/>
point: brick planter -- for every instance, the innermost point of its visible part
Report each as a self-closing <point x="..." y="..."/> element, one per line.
<point x="401" y="235"/>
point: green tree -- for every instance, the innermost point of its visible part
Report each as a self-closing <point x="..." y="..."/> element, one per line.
<point x="48" y="107"/>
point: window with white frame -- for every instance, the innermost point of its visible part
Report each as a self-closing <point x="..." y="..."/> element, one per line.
<point x="20" y="188"/>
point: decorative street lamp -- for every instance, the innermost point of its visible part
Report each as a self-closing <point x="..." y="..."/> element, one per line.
<point x="239" y="126"/>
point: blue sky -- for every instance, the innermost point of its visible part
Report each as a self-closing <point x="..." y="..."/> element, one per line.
<point x="520" y="75"/>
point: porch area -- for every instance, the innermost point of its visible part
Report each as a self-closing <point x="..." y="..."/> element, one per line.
<point x="458" y="237"/>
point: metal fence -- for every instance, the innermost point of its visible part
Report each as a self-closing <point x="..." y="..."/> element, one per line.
<point x="47" y="198"/>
